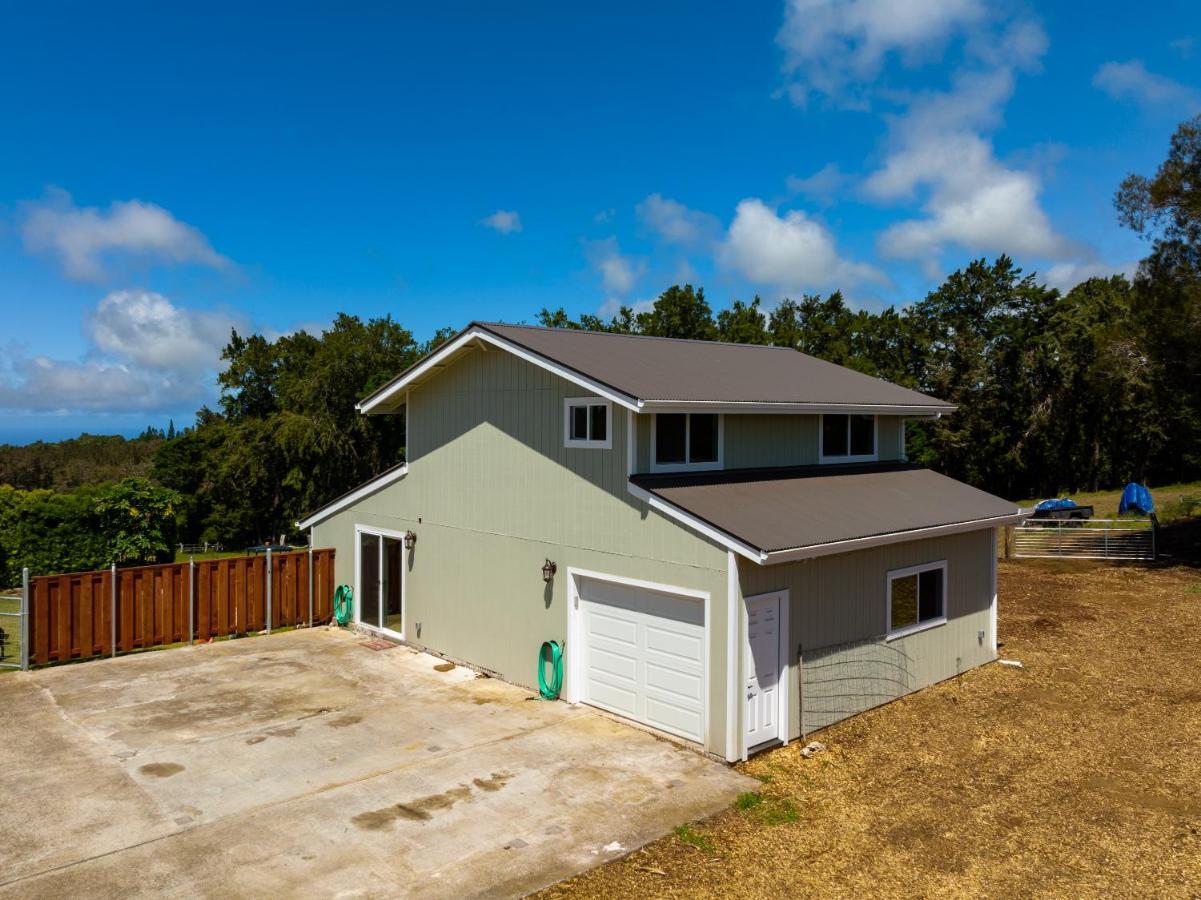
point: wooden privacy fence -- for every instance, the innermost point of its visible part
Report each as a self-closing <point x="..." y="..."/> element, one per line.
<point x="88" y="614"/>
<point x="1129" y="539"/>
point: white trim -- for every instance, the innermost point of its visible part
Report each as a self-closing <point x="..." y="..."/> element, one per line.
<point x="732" y="706"/>
<point x="354" y="496"/>
<point x="847" y="457"/>
<point x="894" y="537"/>
<point x="572" y="693"/>
<point x="688" y="466"/>
<point x="479" y="334"/>
<point x="714" y="534"/>
<point x="754" y="406"/>
<point x="920" y="625"/>
<point x="360" y="529"/>
<point x="992" y="609"/>
<point x="588" y="403"/>
<point x="782" y="641"/>
<point x="631" y="443"/>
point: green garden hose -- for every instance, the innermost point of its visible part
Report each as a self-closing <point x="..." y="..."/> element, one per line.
<point x="550" y="652"/>
<point x="343" y="604"/>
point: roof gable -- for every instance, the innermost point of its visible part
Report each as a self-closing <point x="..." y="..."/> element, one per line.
<point x="640" y="372"/>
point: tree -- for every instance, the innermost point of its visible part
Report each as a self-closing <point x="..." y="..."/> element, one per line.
<point x="679" y="312"/>
<point x="742" y="324"/>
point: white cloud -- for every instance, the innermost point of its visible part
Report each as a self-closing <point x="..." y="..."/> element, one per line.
<point x="1066" y="276"/>
<point x="831" y="46"/>
<point x="604" y="217"/>
<point x="504" y="221"/>
<point x="85" y="239"/>
<point x="619" y="273"/>
<point x="675" y="223"/>
<point x="146" y="355"/>
<point x="149" y="331"/>
<point x="1130" y="81"/>
<point x="822" y="186"/>
<point x="791" y="252"/>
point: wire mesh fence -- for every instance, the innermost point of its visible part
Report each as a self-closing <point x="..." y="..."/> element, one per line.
<point x="842" y="680"/>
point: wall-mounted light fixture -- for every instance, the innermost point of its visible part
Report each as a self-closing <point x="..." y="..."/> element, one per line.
<point x="410" y="540"/>
<point x="549" y="568"/>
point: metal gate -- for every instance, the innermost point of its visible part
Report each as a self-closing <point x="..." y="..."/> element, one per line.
<point x="1129" y="539"/>
<point x="14" y="626"/>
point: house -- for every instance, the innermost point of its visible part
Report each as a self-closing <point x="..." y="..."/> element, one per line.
<point x="726" y="539"/>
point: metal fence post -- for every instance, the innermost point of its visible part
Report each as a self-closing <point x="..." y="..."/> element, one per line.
<point x="112" y="619"/>
<point x="23" y="628"/>
<point x="310" y="584"/>
<point x="191" y="599"/>
<point x="269" y="580"/>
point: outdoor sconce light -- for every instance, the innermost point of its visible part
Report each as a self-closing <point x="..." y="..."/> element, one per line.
<point x="410" y="540"/>
<point x="549" y="568"/>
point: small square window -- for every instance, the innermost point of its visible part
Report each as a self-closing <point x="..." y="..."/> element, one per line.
<point x="916" y="598"/>
<point x="587" y="423"/>
<point x="848" y="438"/>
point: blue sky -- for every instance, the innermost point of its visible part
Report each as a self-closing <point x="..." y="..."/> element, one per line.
<point x="168" y="174"/>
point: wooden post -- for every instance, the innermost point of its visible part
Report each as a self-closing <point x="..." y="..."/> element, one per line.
<point x="112" y="606"/>
<point x="310" y="583"/>
<point x="268" y="577"/>
<point x="191" y="599"/>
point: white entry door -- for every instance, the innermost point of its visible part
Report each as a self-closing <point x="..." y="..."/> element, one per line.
<point x="644" y="655"/>
<point x="762" y="670"/>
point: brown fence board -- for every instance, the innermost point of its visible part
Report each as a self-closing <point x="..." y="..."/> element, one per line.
<point x="71" y="615"/>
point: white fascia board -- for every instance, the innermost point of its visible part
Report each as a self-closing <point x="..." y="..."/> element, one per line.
<point x="479" y="334"/>
<point x="880" y="540"/>
<point x="735" y="407"/>
<point x="353" y="497"/>
<point x="674" y="512"/>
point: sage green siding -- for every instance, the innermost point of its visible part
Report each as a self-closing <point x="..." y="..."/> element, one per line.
<point x="491" y="493"/>
<point x="752" y="440"/>
<point x="838" y="615"/>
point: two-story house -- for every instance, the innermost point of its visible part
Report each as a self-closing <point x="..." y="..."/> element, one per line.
<point x="727" y="540"/>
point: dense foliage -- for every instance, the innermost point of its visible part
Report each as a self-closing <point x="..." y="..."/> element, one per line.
<point x="1056" y="393"/>
<point x="130" y="522"/>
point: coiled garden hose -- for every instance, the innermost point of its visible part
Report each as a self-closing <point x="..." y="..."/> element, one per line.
<point x="550" y="652"/>
<point x="343" y="604"/>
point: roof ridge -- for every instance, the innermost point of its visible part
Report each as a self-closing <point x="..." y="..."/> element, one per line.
<point x="649" y="337"/>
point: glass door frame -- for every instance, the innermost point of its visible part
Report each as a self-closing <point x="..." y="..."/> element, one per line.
<point x="381" y="533"/>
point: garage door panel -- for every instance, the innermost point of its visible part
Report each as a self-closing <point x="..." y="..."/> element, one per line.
<point x="684" y="686"/>
<point x="613" y="667"/>
<point x="644" y="655"/>
<point x="674" y="719"/>
<point x="687" y="648"/>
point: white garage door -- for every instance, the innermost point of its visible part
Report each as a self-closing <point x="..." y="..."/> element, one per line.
<point x="644" y="655"/>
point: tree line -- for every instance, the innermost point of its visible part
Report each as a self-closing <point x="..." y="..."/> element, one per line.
<point x="1056" y="392"/>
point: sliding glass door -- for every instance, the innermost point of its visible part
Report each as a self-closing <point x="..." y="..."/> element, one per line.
<point x="380" y="589"/>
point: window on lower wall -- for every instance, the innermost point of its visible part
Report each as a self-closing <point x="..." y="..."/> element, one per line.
<point x="586" y="423"/>
<point x="848" y="438"/>
<point x="917" y="598"/>
<point x="686" y="441"/>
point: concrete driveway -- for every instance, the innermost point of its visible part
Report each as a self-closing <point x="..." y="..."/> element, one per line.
<point x="307" y="763"/>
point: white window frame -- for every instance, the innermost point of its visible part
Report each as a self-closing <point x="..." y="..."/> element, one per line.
<point x="589" y="402"/>
<point x="848" y="457"/>
<point x="917" y="626"/>
<point x="688" y="466"/>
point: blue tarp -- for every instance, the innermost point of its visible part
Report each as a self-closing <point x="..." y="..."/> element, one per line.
<point x="1062" y="503"/>
<point x="1136" y="499"/>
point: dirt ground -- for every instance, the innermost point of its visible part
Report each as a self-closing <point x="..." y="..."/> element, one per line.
<point x="1079" y="774"/>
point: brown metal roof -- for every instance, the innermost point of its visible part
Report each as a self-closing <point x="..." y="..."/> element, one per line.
<point x="665" y="369"/>
<point x="774" y="510"/>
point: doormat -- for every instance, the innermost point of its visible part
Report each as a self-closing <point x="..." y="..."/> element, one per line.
<point x="378" y="644"/>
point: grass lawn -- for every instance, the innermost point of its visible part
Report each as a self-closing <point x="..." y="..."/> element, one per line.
<point x="1105" y="503"/>
<point x="224" y="554"/>
<point x="1075" y="775"/>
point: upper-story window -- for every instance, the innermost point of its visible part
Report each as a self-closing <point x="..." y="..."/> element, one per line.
<point x="587" y="423"/>
<point x="686" y="441"/>
<point x="848" y="438"/>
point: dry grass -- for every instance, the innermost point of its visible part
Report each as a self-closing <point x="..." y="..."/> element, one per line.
<point x="1078" y="775"/>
